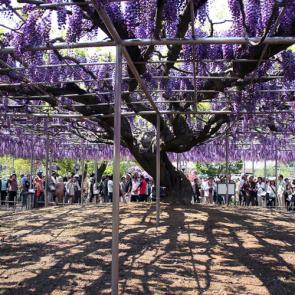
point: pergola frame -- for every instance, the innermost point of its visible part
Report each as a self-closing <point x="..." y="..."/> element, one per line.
<point x="120" y="52"/>
<point x="144" y="42"/>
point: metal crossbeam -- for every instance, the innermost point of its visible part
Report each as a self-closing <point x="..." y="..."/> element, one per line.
<point x="90" y="64"/>
<point x="132" y="114"/>
<point x="42" y="5"/>
<point x="145" y="42"/>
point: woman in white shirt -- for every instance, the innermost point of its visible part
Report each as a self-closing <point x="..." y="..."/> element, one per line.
<point x="281" y="191"/>
<point x="209" y="190"/>
<point x="261" y="192"/>
<point x="110" y="189"/>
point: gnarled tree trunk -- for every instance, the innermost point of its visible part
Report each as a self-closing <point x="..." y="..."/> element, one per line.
<point x="178" y="187"/>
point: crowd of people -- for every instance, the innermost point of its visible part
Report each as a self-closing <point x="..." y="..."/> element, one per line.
<point x="137" y="187"/>
<point x="72" y="189"/>
<point x="250" y="191"/>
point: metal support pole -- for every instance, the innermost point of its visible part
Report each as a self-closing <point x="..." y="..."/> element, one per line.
<point x="95" y="180"/>
<point x="46" y="165"/>
<point x="116" y="168"/>
<point x="158" y="172"/>
<point x="49" y="176"/>
<point x="276" y="176"/>
<point x="192" y="9"/>
<point x="253" y="167"/>
<point x="226" y="167"/>
<point x="265" y="170"/>
<point x="32" y="164"/>
<point x="30" y="197"/>
<point x="177" y="161"/>
<point x="82" y="180"/>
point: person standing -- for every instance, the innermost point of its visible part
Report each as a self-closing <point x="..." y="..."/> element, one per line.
<point x="128" y="187"/>
<point x="59" y="191"/>
<point x="78" y="190"/>
<point x="85" y="187"/>
<point x="242" y="191"/>
<point x="4" y="185"/>
<point x="202" y="190"/>
<point x="209" y="190"/>
<point x="148" y="188"/>
<point x="281" y="187"/>
<point x="25" y="181"/>
<point x="142" y="190"/>
<point x="110" y="189"/>
<point x="104" y="188"/>
<point x="122" y="189"/>
<point x="72" y="187"/>
<point x="91" y="187"/>
<point x="251" y="191"/>
<point x="271" y="194"/>
<point x="196" y="190"/>
<point x="12" y="190"/>
<point x="39" y="189"/>
<point x="51" y="187"/>
<point x="135" y="186"/>
<point x="261" y="192"/>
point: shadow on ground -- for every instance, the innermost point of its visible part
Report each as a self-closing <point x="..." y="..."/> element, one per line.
<point x="197" y="250"/>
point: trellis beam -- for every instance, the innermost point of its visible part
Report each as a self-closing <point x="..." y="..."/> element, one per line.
<point x="145" y="42"/>
<point x="132" y="114"/>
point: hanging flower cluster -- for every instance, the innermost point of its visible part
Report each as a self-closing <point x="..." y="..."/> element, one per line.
<point x="242" y="88"/>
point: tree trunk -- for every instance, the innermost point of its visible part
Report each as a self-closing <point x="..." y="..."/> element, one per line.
<point x="100" y="170"/>
<point x="178" y="187"/>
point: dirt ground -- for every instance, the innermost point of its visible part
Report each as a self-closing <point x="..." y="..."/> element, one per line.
<point x="197" y="250"/>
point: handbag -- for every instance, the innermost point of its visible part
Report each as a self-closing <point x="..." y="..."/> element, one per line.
<point x="51" y="187"/>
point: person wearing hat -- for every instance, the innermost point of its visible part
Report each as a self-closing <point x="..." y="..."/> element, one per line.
<point x="72" y="186"/>
<point x="12" y="189"/>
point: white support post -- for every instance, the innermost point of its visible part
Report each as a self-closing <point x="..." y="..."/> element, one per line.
<point x="116" y="168"/>
<point x="95" y="180"/>
<point x="158" y="172"/>
<point x="226" y="167"/>
<point x="276" y="176"/>
<point x="46" y="165"/>
<point x="82" y="180"/>
<point x="32" y="166"/>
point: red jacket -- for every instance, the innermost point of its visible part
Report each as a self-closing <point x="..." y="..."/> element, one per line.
<point x="142" y="187"/>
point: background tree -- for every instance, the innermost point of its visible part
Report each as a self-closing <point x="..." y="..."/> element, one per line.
<point x="217" y="169"/>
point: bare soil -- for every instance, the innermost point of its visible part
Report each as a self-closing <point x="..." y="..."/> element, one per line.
<point x="197" y="250"/>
